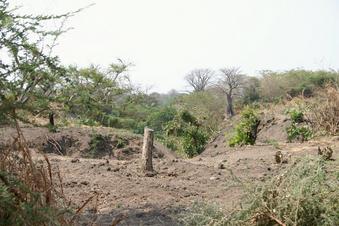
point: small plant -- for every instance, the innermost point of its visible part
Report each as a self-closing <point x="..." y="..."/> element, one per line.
<point x="121" y="143"/>
<point x="99" y="145"/>
<point x="297" y="116"/>
<point x="246" y="130"/>
<point x="296" y="131"/>
<point x="301" y="133"/>
<point x="52" y="129"/>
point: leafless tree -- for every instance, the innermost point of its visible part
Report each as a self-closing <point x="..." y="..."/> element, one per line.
<point x="230" y="82"/>
<point x="199" y="79"/>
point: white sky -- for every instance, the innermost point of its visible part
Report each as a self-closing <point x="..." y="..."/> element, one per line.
<point x="167" y="38"/>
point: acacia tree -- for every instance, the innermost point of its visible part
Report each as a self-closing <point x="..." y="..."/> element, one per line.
<point x="28" y="70"/>
<point x="199" y="79"/>
<point x="229" y="83"/>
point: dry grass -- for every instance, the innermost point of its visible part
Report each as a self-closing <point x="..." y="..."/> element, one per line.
<point x="30" y="193"/>
<point x="306" y="193"/>
<point x="325" y="111"/>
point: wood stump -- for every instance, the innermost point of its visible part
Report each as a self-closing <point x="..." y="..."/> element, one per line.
<point x="146" y="157"/>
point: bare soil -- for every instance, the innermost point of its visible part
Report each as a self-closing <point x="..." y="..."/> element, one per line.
<point x="124" y="191"/>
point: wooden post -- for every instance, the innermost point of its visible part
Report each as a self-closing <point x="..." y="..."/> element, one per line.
<point x="146" y="158"/>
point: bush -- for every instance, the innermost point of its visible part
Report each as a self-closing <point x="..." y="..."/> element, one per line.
<point x="325" y="111"/>
<point x="301" y="133"/>
<point x="296" y="131"/>
<point x="246" y="130"/>
<point x="184" y="135"/>
<point x="297" y="116"/>
<point x="99" y="145"/>
<point x="30" y="193"/>
<point x="193" y="141"/>
<point x="304" y="194"/>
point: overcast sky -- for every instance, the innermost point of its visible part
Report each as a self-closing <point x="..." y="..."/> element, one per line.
<point x="167" y="38"/>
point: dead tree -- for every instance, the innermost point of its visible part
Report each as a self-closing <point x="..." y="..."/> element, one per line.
<point x="199" y="79"/>
<point x="229" y="83"/>
<point x="146" y="158"/>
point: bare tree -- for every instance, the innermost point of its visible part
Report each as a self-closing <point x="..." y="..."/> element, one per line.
<point x="199" y="79"/>
<point x="230" y="81"/>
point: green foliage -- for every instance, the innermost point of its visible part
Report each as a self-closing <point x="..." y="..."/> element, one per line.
<point x="276" y="85"/>
<point x="160" y="117"/>
<point x="246" y="130"/>
<point x="15" y="211"/>
<point x="296" y="115"/>
<point x="28" y="71"/>
<point x="99" y="145"/>
<point x="193" y="141"/>
<point x="184" y="135"/>
<point x="296" y="132"/>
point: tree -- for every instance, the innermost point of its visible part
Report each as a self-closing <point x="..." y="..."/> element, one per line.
<point x="229" y="83"/>
<point x="28" y="71"/>
<point x="199" y="79"/>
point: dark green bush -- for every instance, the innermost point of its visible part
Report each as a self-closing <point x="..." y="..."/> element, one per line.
<point x="246" y="130"/>
<point x="193" y="141"/>
<point x="99" y="145"/>
<point x="184" y="135"/>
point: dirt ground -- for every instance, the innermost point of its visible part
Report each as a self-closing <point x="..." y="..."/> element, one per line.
<point x="122" y="190"/>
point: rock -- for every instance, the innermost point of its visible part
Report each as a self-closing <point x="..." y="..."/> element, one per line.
<point x="278" y="157"/>
<point x="85" y="183"/>
<point x="116" y="169"/>
<point x="75" y="160"/>
<point x="214" y="178"/>
<point x="326" y="153"/>
<point x="172" y="174"/>
<point x="220" y="165"/>
<point x="150" y="173"/>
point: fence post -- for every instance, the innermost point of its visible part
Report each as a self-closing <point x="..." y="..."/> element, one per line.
<point x="146" y="157"/>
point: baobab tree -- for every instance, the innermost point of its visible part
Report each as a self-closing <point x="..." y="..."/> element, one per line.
<point x="229" y="83"/>
<point x="199" y="79"/>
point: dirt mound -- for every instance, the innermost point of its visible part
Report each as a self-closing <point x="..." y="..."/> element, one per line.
<point x="85" y="142"/>
<point x="273" y="128"/>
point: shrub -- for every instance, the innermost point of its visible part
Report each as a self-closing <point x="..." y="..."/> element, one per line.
<point x="246" y="130"/>
<point x="297" y="116"/>
<point x="301" y="133"/>
<point x="184" y="135"/>
<point x="324" y="116"/>
<point x="193" y="141"/>
<point x="30" y="193"/>
<point x="304" y="194"/>
<point x="296" y="131"/>
<point x="99" y="145"/>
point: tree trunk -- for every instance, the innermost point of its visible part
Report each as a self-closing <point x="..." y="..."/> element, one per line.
<point x="229" y="108"/>
<point x="146" y="158"/>
<point x="51" y="119"/>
